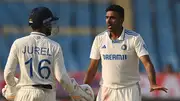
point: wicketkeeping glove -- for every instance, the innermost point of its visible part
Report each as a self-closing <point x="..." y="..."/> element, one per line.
<point x="82" y="92"/>
<point x="9" y="92"/>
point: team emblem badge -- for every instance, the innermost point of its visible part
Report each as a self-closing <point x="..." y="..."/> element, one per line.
<point x="124" y="47"/>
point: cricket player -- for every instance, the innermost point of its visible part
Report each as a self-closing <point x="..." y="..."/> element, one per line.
<point x="119" y="50"/>
<point x="41" y="63"/>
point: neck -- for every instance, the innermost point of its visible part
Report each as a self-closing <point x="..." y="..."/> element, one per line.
<point x="37" y="30"/>
<point x="40" y="31"/>
<point x="116" y="34"/>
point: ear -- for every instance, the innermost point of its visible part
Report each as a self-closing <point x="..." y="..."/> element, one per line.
<point x="121" y="20"/>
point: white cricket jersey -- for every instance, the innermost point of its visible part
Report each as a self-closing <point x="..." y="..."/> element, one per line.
<point x="40" y="60"/>
<point x="119" y="58"/>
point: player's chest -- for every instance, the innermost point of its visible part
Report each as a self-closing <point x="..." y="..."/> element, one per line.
<point x="119" y="47"/>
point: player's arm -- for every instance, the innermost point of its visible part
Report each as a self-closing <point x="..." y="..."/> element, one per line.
<point x="61" y="73"/>
<point x="70" y="85"/>
<point x="93" y="66"/>
<point x="143" y="54"/>
<point x="10" y="68"/>
<point x="149" y="69"/>
<point x="92" y="69"/>
<point x="151" y="73"/>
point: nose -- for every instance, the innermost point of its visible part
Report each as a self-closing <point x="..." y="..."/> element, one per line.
<point x="108" y="20"/>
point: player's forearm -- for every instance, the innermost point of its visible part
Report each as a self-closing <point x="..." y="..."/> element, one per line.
<point x="10" y="69"/>
<point x="89" y="77"/>
<point x="66" y="83"/>
<point x="151" y="73"/>
<point x="93" y="66"/>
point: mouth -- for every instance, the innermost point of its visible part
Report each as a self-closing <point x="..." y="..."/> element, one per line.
<point x="109" y="27"/>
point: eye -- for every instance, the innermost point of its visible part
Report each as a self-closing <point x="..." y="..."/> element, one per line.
<point x="112" y="17"/>
<point x="106" y="17"/>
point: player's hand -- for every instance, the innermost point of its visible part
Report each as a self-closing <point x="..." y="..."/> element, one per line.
<point x="157" y="87"/>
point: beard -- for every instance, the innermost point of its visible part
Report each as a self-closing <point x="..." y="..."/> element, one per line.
<point x="48" y="32"/>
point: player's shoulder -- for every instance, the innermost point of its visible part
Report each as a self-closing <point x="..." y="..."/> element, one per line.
<point x="102" y="35"/>
<point x="27" y="39"/>
<point x="53" y="43"/>
<point x="21" y="40"/>
<point x="131" y="33"/>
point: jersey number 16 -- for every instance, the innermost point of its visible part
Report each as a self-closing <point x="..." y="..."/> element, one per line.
<point x="40" y="68"/>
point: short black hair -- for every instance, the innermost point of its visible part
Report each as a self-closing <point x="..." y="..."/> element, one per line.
<point x="116" y="8"/>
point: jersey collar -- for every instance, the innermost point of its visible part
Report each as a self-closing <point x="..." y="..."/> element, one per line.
<point x="122" y="35"/>
<point x="37" y="33"/>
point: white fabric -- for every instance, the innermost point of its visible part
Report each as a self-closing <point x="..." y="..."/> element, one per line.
<point x="38" y="56"/>
<point x="119" y="58"/>
<point x="29" y="93"/>
<point x="41" y="61"/>
<point x="130" y="93"/>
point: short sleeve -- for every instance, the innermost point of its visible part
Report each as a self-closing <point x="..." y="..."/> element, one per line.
<point x="95" y="53"/>
<point x="13" y="51"/>
<point x="10" y="68"/>
<point x="59" y="67"/>
<point x="140" y="46"/>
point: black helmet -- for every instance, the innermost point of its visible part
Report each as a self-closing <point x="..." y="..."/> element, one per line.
<point x="40" y="16"/>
